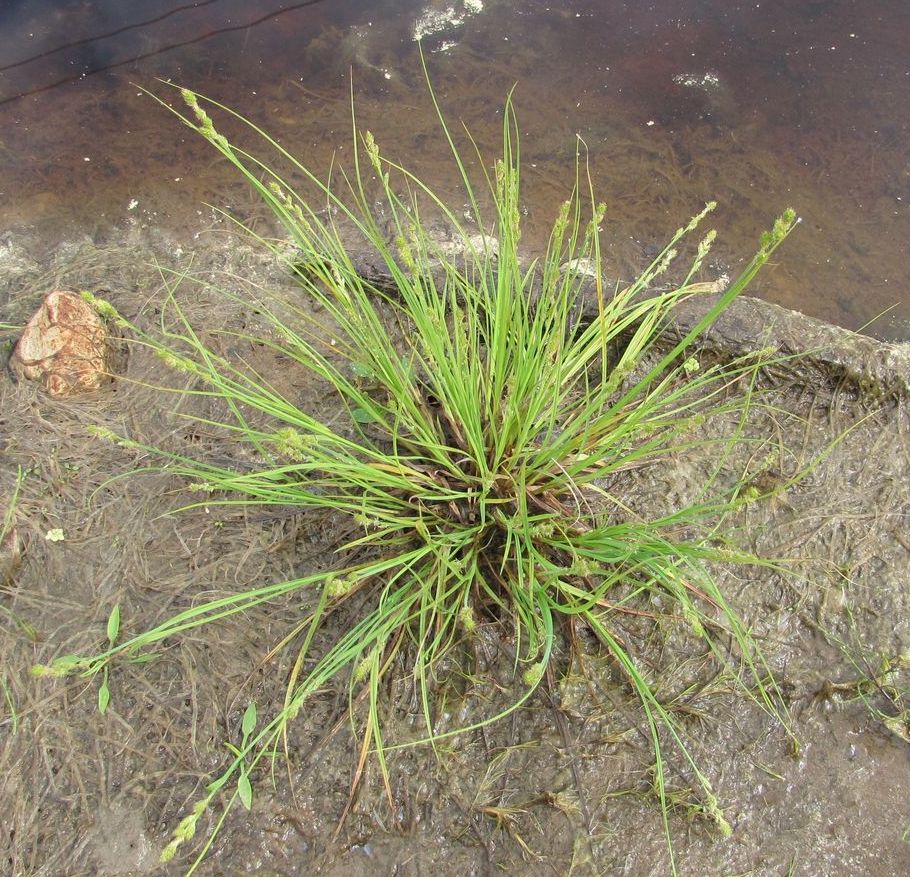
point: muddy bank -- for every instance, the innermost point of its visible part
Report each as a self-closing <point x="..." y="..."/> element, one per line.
<point x="565" y="786"/>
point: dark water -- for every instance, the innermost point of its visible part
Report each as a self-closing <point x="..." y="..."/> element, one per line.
<point x="758" y="105"/>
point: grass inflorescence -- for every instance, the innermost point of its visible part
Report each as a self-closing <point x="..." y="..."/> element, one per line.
<point x="481" y="425"/>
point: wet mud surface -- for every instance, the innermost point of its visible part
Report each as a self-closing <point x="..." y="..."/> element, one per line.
<point x="565" y="785"/>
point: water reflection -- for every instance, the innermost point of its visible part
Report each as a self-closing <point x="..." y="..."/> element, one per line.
<point x="759" y="105"/>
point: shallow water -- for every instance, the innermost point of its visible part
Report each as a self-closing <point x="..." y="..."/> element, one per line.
<point x="759" y="105"/>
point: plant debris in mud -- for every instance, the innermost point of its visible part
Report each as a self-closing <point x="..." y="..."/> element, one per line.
<point x="481" y="437"/>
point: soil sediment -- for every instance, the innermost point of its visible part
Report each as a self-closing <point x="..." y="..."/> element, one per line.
<point x="565" y="785"/>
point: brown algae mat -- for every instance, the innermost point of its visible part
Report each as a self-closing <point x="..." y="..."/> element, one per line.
<point x="564" y="785"/>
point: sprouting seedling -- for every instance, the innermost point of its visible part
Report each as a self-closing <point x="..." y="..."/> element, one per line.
<point x="186" y="829"/>
<point x="113" y="629"/>
<point x="247" y="726"/>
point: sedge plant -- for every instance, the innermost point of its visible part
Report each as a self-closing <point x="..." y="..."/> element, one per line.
<point x="482" y="420"/>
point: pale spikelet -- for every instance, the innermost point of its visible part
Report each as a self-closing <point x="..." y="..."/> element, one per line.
<point x="366" y="665"/>
<point x="534" y="674"/>
<point x="293" y="445"/>
<point x="372" y="149"/>
<point x="185" y="830"/>
<point x="174" y="361"/>
<point x="337" y="587"/>
<point x="104" y="308"/>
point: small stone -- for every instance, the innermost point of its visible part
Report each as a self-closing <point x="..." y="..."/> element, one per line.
<point x="64" y="345"/>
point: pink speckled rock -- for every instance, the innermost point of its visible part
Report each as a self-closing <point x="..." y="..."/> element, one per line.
<point x="64" y="345"/>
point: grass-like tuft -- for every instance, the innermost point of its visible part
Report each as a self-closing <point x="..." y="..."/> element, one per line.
<point x="481" y="423"/>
